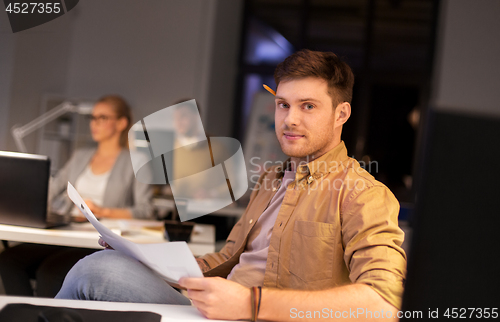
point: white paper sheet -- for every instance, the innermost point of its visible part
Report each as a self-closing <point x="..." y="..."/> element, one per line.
<point x="171" y="260"/>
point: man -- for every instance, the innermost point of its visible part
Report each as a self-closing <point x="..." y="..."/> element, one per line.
<point x="192" y="155"/>
<point x="320" y="234"/>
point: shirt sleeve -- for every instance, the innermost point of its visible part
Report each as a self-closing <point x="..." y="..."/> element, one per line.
<point x="59" y="182"/>
<point x="143" y="201"/>
<point x="372" y="240"/>
<point x="57" y="196"/>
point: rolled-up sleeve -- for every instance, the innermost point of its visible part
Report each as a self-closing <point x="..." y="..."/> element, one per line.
<point x="372" y="241"/>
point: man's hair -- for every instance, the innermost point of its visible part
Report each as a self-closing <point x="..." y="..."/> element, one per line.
<point x="325" y="65"/>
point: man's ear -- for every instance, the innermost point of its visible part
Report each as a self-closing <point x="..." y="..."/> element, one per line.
<point x="342" y="113"/>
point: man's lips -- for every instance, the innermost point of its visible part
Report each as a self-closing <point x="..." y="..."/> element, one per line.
<point x="292" y="136"/>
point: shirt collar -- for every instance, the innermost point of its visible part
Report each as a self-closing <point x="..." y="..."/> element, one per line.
<point x="328" y="162"/>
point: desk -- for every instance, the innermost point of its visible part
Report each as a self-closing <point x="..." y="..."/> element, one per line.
<point x="168" y="312"/>
<point x="229" y="211"/>
<point x="85" y="235"/>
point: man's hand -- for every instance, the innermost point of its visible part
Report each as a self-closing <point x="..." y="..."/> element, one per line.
<point x="218" y="298"/>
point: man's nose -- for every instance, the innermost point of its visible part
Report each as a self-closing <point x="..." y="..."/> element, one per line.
<point x="292" y="118"/>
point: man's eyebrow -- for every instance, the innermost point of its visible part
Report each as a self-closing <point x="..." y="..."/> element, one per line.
<point x="300" y="100"/>
<point x="308" y="99"/>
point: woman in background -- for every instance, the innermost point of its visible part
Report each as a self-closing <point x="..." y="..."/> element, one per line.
<point x="105" y="179"/>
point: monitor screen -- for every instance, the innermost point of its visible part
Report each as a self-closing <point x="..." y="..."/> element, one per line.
<point x="453" y="259"/>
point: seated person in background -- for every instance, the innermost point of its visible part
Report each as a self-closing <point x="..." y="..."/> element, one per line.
<point x="320" y="234"/>
<point x="193" y="153"/>
<point x="105" y="178"/>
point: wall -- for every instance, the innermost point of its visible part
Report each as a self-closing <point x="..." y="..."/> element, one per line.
<point x="467" y="68"/>
<point x="37" y="63"/>
<point x="151" y="52"/>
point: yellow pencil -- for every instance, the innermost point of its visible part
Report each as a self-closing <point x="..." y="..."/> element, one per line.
<point x="269" y="89"/>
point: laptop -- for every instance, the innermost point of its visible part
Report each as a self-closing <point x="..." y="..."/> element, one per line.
<point x="24" y="185"/>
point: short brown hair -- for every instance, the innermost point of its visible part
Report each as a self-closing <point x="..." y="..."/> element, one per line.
<point x="122" y="109"/>
<point x="325" y="65"/>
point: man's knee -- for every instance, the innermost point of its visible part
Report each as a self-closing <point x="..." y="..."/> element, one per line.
<point x="92" y="272"/>
<point x="103" y="265"/>
<point x="111" y="276"/>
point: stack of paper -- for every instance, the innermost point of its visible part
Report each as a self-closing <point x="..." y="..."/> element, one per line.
<point x="171" y="260"/>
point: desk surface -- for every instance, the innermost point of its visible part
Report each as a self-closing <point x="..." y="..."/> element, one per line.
<point x="229" y="211"/>
<point x="168" y="312"/>
<point x="85" y="235"/>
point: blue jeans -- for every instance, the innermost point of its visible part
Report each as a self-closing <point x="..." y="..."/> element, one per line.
<point x="109" y="275"/>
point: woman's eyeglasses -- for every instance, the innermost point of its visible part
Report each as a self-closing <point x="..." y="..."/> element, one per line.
<point x="101" y="118"/>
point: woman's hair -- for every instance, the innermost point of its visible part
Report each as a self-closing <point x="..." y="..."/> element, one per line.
<point x="122" y="109"/>
<point x="325" y="65"/>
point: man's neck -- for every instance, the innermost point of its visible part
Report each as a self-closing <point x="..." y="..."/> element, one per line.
<point x="298" y="161"/>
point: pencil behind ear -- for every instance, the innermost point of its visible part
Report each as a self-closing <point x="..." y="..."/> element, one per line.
<point x="269" y="89"/>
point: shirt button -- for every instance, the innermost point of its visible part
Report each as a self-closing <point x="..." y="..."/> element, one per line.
<point x="275" y="189"/>
<point x="251" y="221"/>
<point x="310" y="179"/>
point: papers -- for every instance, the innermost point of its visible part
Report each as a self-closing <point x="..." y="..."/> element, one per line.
<point x="171" y="260"/>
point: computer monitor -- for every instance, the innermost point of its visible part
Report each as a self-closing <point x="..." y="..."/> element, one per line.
<point x="453" y="261"/>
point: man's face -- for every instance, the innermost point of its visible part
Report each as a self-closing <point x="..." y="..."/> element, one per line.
<point x="305" y="118"/>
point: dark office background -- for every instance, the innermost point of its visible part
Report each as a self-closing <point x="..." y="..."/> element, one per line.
<point x="220" y="52"/>
<point x="388" y="44"/>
